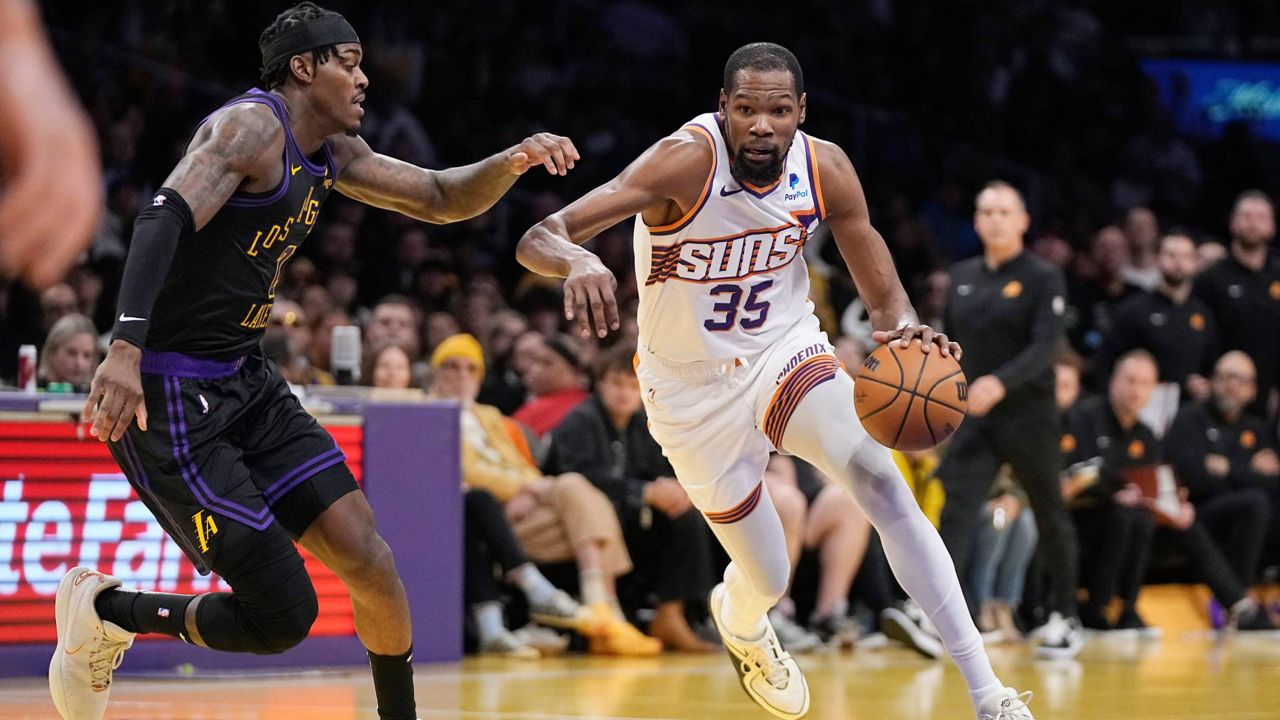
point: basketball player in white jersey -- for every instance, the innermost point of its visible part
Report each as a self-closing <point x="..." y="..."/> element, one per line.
<point x="732" y="362"/>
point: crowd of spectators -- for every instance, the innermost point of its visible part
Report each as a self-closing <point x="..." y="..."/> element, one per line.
<point x="1148" y="227"/>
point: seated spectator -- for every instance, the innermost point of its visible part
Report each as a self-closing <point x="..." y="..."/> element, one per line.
<point x="1107" y="448"/>
<point x="289" y="319"/>
<point x="1242" y="291"/>
<point x="489" y="541"/>
<point x="388" y="366"/>
<point x="57" y="302"/>
<point x="1142" y="229"/>
<point x="556" y="381"/>
<point x="557" y="519"/>
<point x="1093" y="299"/>
<point x="606" y="438"/>
<point x="1228" y="464"/>
<point x="70" y="353"/>
<point x="830" y="525"/>
<point x="394" y="318"/>
<point x="1175" y="327"/>
<point x="322" y="339"/>
<point x="1003" y="549"/>
<point x="438" y="326"/>
<point x="1066" y="381"/>
<point x="502" y="387"/>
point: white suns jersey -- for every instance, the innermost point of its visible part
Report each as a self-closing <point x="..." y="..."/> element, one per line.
<point x="728" y="279"/>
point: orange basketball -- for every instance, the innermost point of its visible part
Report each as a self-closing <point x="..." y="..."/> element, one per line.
<point x="909" y="400"/>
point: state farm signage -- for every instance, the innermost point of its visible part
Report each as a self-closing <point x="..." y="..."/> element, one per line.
<point x="63" y="502"/>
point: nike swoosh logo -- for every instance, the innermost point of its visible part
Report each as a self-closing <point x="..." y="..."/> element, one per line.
<point x="730" y="192"/>
<point x="127" y="318"/>
<point x="295" y="169"/>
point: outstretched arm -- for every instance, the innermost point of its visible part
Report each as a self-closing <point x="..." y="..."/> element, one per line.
<point x="666" y="180"/>
<point x="445" y="196"/>
<point x="867" y="257"/>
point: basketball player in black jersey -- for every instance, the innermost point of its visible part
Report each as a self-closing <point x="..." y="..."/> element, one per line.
<point x="222" y="454"/>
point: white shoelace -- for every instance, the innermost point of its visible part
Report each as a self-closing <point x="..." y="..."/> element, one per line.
<point x="1014" y="708"/>
<point x="776" y="673"/>
<point x="103" y="661"/>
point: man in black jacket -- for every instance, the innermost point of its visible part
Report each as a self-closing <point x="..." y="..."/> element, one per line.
<point x="1006" y="307"/>
<point x="1124" y="450"/>
<point x="1226" y="460"/>
<point x="1169" y="322"/>
<point x="606" y="438"/>
<point x="1243" y="291"/>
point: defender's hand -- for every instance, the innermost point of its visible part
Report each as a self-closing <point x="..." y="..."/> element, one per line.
<point x="928" y="338"/>
<point x="557" y="154"/>
<point x="115" y="398"/>
<point x="590" y="284"/>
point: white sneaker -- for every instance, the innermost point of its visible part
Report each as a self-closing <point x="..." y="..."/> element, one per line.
<point x="1059" y="638"/>
<point x="897" y="625"/>
<point x="508" y="645"/>
<point x="89" y="648"/>
<point x="1005" y="704"/>
<point x="768" y="673"/>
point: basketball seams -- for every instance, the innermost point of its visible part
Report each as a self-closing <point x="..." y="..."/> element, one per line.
<point x="928" y="396"/>
<point x="919" y="376"/>
<point x="897" y="388"/>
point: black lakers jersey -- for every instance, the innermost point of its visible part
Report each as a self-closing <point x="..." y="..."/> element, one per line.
<point x="217" y="298"/>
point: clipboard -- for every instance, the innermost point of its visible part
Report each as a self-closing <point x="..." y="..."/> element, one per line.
<point x="1157" y="483"/>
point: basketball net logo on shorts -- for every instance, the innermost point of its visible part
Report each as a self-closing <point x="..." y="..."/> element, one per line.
<point x="206" y="528"/>
<point x="739" y="257"/>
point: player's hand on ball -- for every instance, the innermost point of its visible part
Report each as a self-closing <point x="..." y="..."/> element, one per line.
<point x="928" y="338"/>
<point x="591" y="285"/>
<point x="557" y="154"/>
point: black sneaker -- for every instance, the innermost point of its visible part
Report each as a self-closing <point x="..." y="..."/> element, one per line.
<point x="1252" y="619"/>
<point x="1059" y="638"/>
<point x="1130" y="620"/>
<point x="1093" y="619"/>
<point x="836" y="630"/>
<point x="897" y="625"/>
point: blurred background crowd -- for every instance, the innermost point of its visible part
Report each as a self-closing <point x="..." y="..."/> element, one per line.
<point x="930" y="102"/>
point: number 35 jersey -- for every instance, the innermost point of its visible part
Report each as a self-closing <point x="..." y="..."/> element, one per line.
<point x="216" y="301"/>
<point x="729" y="279"/>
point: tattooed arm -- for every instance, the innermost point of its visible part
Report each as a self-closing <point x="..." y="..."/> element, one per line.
<point x="444" y="196"/>
<point x="239" y="146"/>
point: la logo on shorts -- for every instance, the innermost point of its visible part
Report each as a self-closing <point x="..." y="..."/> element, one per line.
<point x="206" y="528"/>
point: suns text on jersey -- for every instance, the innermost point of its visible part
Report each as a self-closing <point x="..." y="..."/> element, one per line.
<point x="731" y="258"/>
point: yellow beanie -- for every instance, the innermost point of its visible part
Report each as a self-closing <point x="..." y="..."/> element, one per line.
<point x="461" y="345"/>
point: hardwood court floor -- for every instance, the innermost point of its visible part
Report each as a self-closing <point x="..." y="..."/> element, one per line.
<point x="1191" y="678"/>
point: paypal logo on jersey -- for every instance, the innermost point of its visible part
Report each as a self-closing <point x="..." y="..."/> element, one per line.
<point x="792" y="182"/>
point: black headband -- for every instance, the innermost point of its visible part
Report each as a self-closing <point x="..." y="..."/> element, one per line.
<point x="309" y="35"/>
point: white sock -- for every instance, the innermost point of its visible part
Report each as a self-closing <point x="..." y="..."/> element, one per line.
<point x="759" y="572"/>
<point x="535" y="586"/>
<point x="591" y="583"/>
<point x="819" y="432"/>
<point x="489" y="623"/>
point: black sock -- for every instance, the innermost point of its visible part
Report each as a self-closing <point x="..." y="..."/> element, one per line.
<point x="144" y="612"/>
<point x="393" y="684"/>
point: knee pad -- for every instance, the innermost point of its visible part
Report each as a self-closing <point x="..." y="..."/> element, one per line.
<point x="282" y="618"/>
